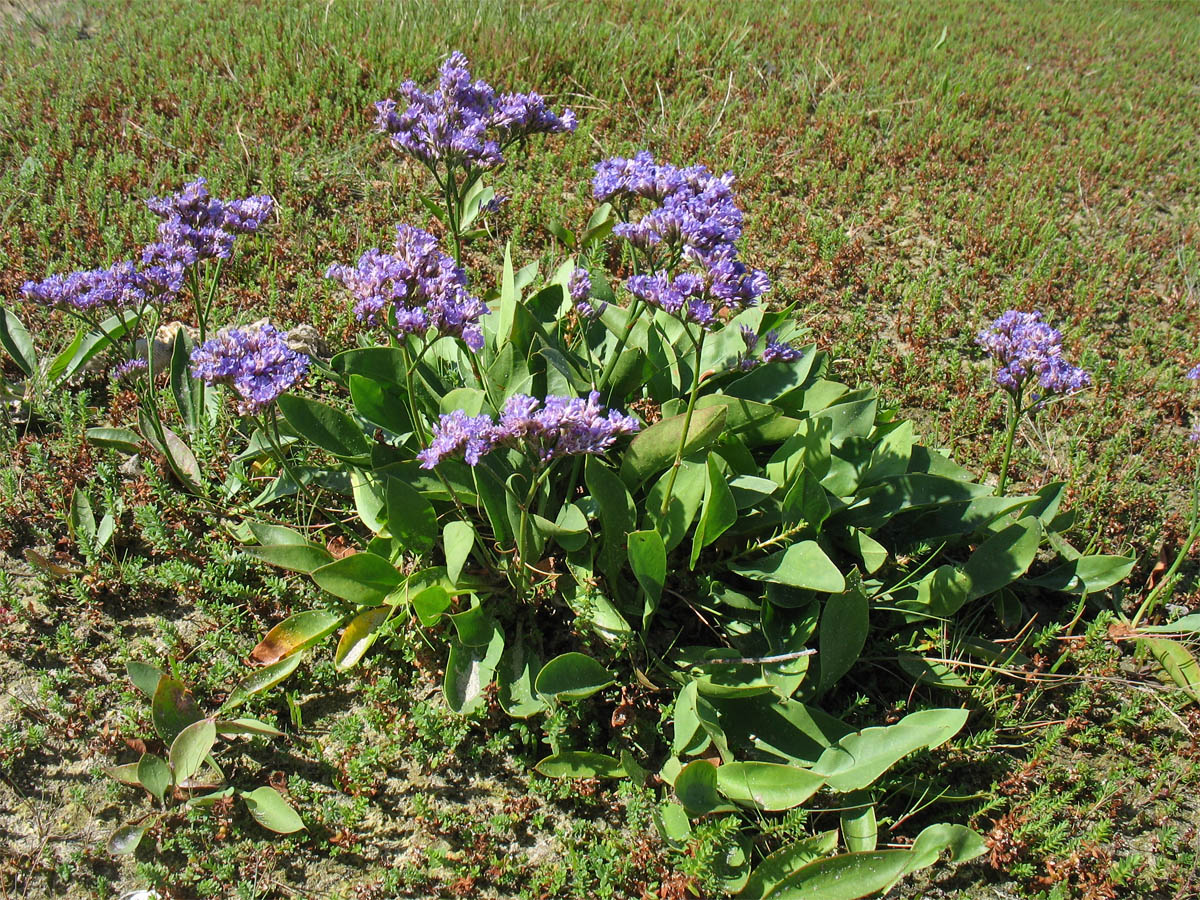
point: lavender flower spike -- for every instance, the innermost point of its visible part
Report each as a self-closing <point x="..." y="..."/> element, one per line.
<point x="458" y="433"/>
<point x="257" y="364"/>
<point x="1028" y="349"/>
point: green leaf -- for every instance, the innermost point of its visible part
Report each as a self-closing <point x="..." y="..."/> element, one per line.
<point x="687" y="495"/>
<point x="172" y="708"/>
<point x="359" y="635"/>
<point x="16" y="340"/>
<point x="122" y="439"/>
<point x="806" y="501"/>
<point x="648" y="559"/>
<point x="580" y="764"/>
<point x="458" y="539"/>
<point x="82" y="521"/>
<point x="654" y="449"/>
<point x="190" y="748"/>
<point x="305" y="558"/>
<point x="783" y="862"/>
<point x="572" y="676"/>
<point x="411" y="519"/>
<point x="144" y="677"/>
<point x="860" y="830"/>
<point x="696" y="788"/>
<point x="271" y="811"/>
<point x="769" y="786"/>
<point x="153" y="775"/>
<point x="890" y="457"/>
<point x="1178" y="662"/>
<point x="616" y="515"/>
<point x="469" y="670"/>
<point x="849" y="876"/>
<point x="126" y="839"/>
<point x="514" y="678"/>
<point x="126" y="774"/>
<point x="370" y="498"/>
<point x="1187" y="625"/>
<point x="1086" y="575"/>
<point x="377" y="363"/>
<point x="1003" y="558"/>
<point x="295" y="633"/>
<point x="802" y="565"/>
<point x="380" y="402"/>
<point x="330" y="429"/>
<point x="263" y="680"/>
<point x="229" y="727"/>
<point x="430" y="603"/>
<point x="718" y="513"/>
<point x="858" y="759"/>
<point x="961" y="842"/>
<point x="844" y="624"/>
<point x="509" y="296"/>
<point x="183" y="386"/>
<point x="362" y="578"/>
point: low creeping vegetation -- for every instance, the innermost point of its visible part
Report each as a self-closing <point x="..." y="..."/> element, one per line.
<point x="626" y="484"/>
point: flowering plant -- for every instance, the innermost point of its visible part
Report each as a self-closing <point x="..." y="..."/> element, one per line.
<point x="632" y="474"/>
<point x="628" y="481"/>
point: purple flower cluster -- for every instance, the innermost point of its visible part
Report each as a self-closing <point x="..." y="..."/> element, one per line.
<point x="128" y="368"/>
<point x="549" y="429"/>
<point x="419" y="284"/>
<point x="774" y="350"/>
<point x="697" y="220"/>
<point x="198" y="226"/>
<point x="464" y="121"/>
<point x="122" y="285"/>
<point x="579" y="287"/>
<point x="256" y="363"/>
<point x="1027" y="348"/>
<point x="723" y="281"/>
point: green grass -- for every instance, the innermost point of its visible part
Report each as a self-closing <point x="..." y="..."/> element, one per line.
<point x="909" y="170"/>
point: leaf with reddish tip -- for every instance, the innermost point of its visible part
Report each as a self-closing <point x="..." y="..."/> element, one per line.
<point x="296" y="633"/>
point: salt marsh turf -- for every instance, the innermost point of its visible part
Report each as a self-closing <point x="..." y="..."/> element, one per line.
<point x="908" y="172"/>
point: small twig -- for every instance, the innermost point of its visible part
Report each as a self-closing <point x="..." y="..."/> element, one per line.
<point x="759" y="660"/>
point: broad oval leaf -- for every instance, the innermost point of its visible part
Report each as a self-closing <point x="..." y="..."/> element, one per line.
<point x="126" y="839"/>
<point x="572" y="676"/>
<point x="144" y="677"/>
<point x="304" y="558"/>
<point x="1003" y="558"/>
<point x="856" y="760"/>
<point x="654" y="449"/>
<point x="16" y="340"/>
<point x="770" y="786"/>
<point x="154" y="775"/>
<point x="580" y="764"/>
<point x="696" y="788"/>
<point x="362" y="578"/>
<point x="410" y="517"/>
<point x="458" y="537"/>
<point x="190" y="747"/>
<point x="123" y="439"/>
<point x="330" y="429"/>
<point x="172" y="708"/>
<point x="272" y="812"/>
<point x="802" y="565"/>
